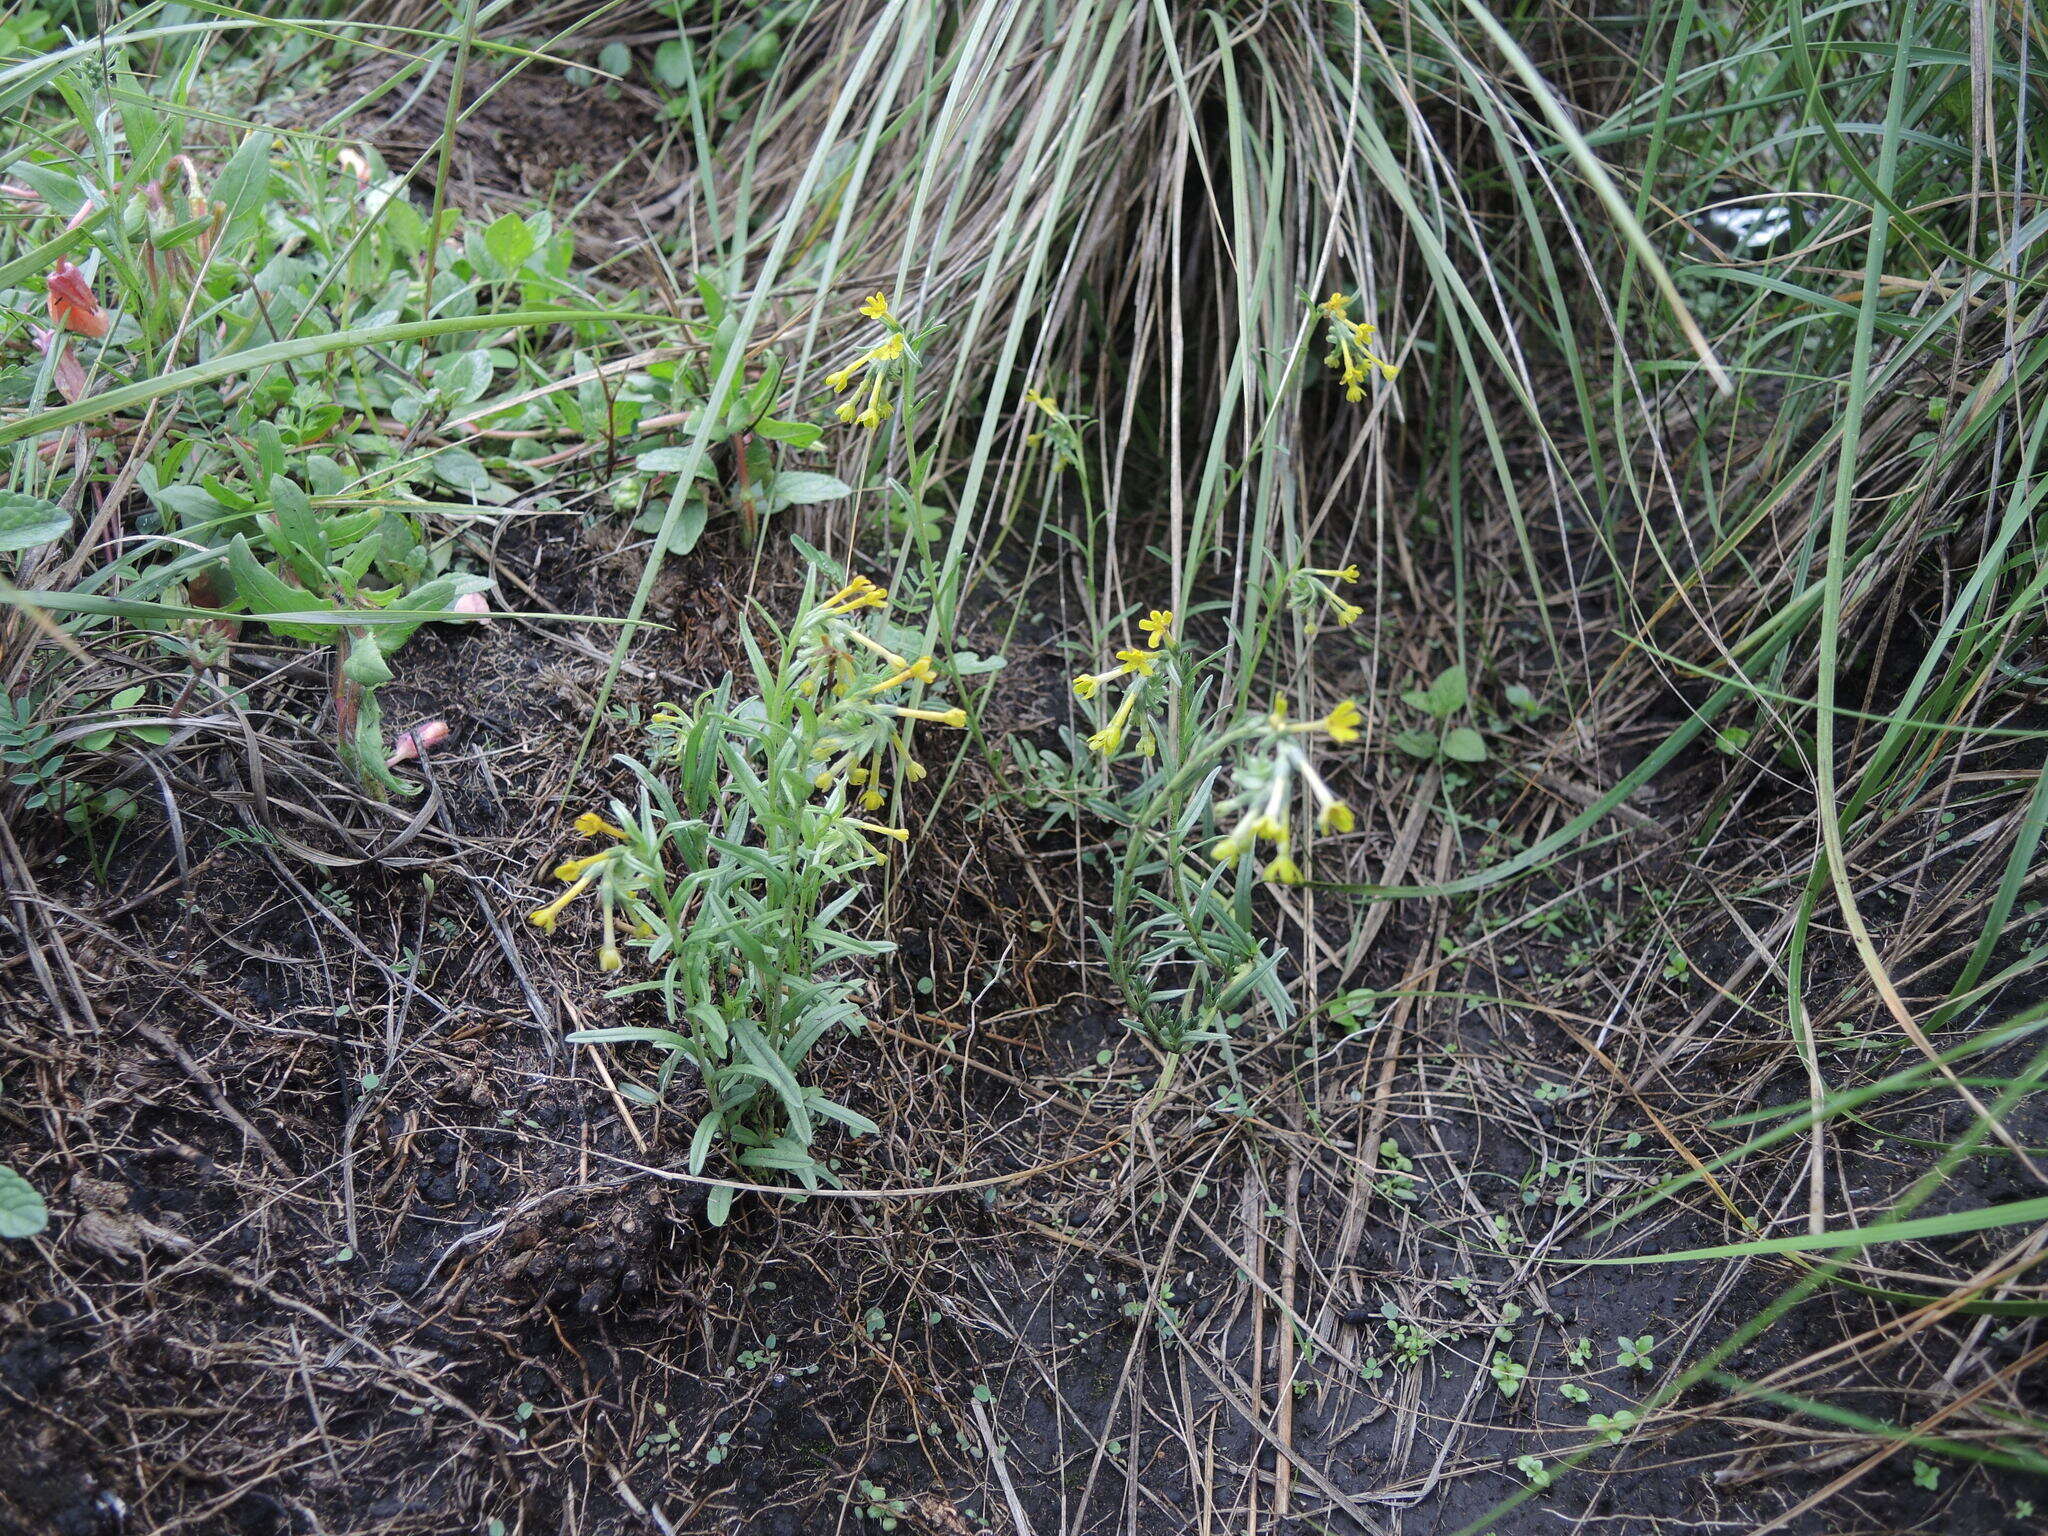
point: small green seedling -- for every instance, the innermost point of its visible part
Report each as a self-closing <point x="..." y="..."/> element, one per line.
<point x="1926" y="1474"/>
<point x="1533" y="1470"/>
<point x="1634" y="1354"/>
<point x="1444" y="697"/>
<point x="1613" y="1426"/>
<point x="872" y="1502"/>
<point x="1508" y="1374"/>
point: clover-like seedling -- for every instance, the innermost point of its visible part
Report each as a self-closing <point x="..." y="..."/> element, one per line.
<point x="1613" y="1426"/>
<point x="1532" y="1469"/>
<point x="1926" y="1474"/>
<point x="1634" y="1354"/>
<point x="1508" y="1374"/>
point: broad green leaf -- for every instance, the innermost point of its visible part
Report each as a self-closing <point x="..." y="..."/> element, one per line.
<point x="689" y="528"/>
<point x="245" y="179"/>
<point x="509" y="241"/>
<point x="464" y="377"/>
<point x="430" y="600"/>
<point x="22" y="1212"/>
<point x="803" y="488"/>
<point x="26" y="521"/>
<point x="675" y="461"/>
<point x="1442" y="698"/>
<point x="672" y="62"/>
<point x="798" y="434"/>
<point x="297" y="532"/>
<point x="263" y="592"/>
<point x="1465" y="745"/>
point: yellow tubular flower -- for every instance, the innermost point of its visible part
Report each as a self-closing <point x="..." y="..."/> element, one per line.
<point x="1158" y="627"/>
<point x="544" y="919"/>
<point x="1271" y="822"/>
<point x="1229" y="849"/>
<point x="887" y="352"/>
<point x="1353" y="358"/>
<point x="1137" y="663"/>
<point x="1340" y="724"/>
<point x="1088" y="684"/>
<point x="899" y="833"/>
<point x="856" y="594"/>
<point x="1335" y="815"/>
<point x="574" y="868"/>
<point x="590" y="824"/>
<point x="878" y="409"/>
<point x="877" y="308"/>
<point x="955" y="717"/>
<point x="920" y="671"/>
<point x="609" y="958"/>
<point x="872" y="644"/>
<point x="1283" y="871"/>
<point x="1111" y="736"/>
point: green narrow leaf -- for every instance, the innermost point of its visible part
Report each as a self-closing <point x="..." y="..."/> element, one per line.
<point x="2013" y="1213"/>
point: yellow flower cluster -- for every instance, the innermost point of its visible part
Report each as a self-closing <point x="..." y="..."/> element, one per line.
<point x="1058" y="428"/>
<point x="1351" y="351"/>
<point x="1314" y="581"/>
<point x="873" y="406"/>
<point x="1266" y="782"/>
<point x="616" y="873"/>
<point x="848" y="673"/>
<point x="1157" y="627"/>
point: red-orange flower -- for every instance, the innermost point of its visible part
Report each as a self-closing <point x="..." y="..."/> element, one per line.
<point x="72" y="306"/>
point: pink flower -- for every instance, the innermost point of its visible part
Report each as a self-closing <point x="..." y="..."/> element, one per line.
<point x="476" y="603"/>
<point x="72" y="306"/>
<point x="410" y="744"/>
